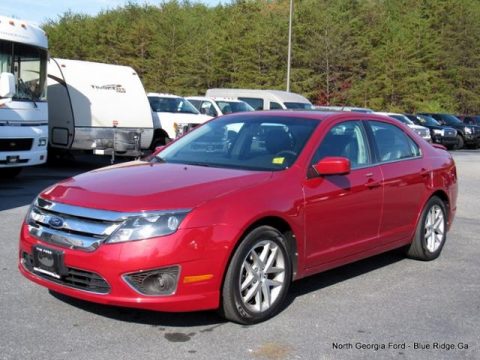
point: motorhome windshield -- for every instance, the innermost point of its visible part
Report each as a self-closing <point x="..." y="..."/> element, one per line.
<point x="29" y="65"/>
<point x="171" y="105"/>
<point x="297" y="105"/>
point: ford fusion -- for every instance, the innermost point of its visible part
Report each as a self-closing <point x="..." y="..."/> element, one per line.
<point x="227" y="216"/>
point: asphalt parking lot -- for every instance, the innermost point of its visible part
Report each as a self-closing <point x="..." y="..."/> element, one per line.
<point x="383" y="307"/>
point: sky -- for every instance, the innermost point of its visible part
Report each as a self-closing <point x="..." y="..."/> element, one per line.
<point x="39" y="11"/>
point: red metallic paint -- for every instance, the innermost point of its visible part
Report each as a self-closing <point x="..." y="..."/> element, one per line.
<point x="334" y="219"/>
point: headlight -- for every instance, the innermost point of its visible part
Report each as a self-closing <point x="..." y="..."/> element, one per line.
<point x="468" y="130"/>
<point x="148" y="225"/>
<point x="42" y="142"/>
<point x="438" y="132"/>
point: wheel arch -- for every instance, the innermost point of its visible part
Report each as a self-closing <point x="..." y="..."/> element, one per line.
<point x="282" y="226"/>
<point x="158" y="135"/>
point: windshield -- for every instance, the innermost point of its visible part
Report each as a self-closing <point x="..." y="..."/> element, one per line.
<point x="247" y="142"/>
<point x="451" y="120"/>
<point x="297" y="105"/>
<point x="427" y="120"/>
<point x="403" y="119"/>
<point x="228" y="107"/>
<point x="171" y="105"/>
<point x="29" y="65"/>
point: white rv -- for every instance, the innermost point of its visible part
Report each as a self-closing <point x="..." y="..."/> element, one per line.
<point x="98" y="107"/>
<point x="23" y="105"/>
<point x="264" y="99"/>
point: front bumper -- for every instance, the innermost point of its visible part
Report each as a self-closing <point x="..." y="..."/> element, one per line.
<point x="449" y="141"/>
<point x="472" y="139"/>
<point x="185" y="248"/>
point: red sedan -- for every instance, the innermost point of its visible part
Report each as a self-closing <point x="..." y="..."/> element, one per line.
<point x="230" y="214"/>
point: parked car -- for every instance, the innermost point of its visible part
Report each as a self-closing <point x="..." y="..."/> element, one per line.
<point x="420" y="130"/>
<point x="471" y="119"/>
<point x="230" y="214"/>
<point x="444" y="135"/>
<point x="174" y="114"/>
<point x="218" y="106"/>
<point x="467" y="135"/>
<point x="264" y="99"/>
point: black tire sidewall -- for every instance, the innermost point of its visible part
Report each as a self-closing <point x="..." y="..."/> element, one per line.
<point x="254" y="237"/>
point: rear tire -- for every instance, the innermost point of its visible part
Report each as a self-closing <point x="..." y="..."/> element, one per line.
<point x="258" y="277"/>
<point x="431" y="232"/>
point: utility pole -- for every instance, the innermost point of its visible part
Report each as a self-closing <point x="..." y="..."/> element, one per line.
<point x="289" y="58"/>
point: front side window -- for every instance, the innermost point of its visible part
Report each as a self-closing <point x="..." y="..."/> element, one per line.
<point x="392" y="143"/>
<point x="255" y="103"/>
<point x="243" y="142"/>
<point x="298" y="105"/>
<point x="171" y="105"/>
<point x="275" y="106"/>
<point x="229" y="107"/>
<point x="346" y="139"/>
<point x="29" y="65"/>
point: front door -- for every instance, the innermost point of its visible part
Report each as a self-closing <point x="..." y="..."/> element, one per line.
<point x="343" y="212"/>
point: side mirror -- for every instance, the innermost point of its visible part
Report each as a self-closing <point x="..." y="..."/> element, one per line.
<point x="332" y="165"/>
<point x="7" y="85"/>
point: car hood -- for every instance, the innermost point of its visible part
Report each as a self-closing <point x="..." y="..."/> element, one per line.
<point x="139" y="185"/>
<point x="183" y="117"/>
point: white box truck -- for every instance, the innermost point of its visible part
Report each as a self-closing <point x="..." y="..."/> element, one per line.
<point x="99" y="107"/>
<point x="23" y="103"/>
<point x="264" y="99"/>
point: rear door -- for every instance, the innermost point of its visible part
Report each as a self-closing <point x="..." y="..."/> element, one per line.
<point x="405" y="179"/>
<point x="342" y="212"/>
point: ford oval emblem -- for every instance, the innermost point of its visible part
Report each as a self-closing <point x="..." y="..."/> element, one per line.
<point x="55" y="222"/>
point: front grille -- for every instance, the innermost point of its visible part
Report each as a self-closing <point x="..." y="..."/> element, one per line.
<point x="75" y="278"/>
<point x="71" y="226"/>
<point x="15" y="144"/>
<point x="450" y="132"/>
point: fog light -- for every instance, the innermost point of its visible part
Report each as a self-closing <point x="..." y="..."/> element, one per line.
<point x="154" y="282"/>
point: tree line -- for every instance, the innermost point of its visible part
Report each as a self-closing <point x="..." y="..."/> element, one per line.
<point x="395" y="55"/>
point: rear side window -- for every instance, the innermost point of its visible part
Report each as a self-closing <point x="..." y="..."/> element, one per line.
<point x="255" y="103"/>
<point x="346" y="139"/>
<point x="392" y="143"/>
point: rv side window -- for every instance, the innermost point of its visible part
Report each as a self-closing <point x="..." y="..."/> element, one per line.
<point x="275" y="106"/>
<point x="255" y="103"/>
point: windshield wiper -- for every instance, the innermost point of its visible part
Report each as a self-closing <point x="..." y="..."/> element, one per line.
<point x="28" y="90"/>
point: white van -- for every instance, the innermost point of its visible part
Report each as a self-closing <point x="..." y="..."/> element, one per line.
<point x="264" y="99"/>
<point x="98" y="107"/>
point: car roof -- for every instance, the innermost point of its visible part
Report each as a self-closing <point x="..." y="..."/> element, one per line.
<point x="314" y="115"/>
<point x="164" y="95"/>
<point x="213" y="98"/>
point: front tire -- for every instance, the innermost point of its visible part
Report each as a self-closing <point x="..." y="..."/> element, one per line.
<point x="460" y="143"/>
<point x="258" y="277"/>
<point x="431" y="232"/>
